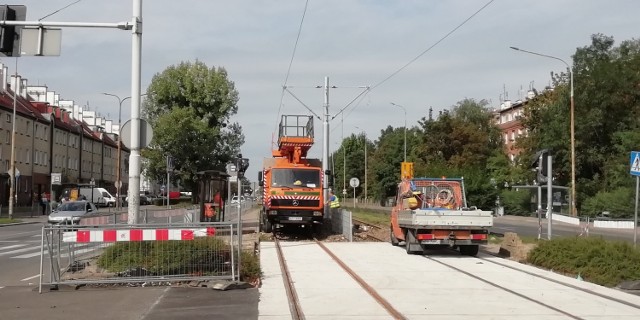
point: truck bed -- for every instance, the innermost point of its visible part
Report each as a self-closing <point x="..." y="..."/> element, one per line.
<point x="444" y="218"/>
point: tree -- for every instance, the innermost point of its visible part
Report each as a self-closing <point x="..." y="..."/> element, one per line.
<point x="189" y="107"/>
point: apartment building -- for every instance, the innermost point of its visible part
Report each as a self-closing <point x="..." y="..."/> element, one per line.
<point x="53" y="136"/>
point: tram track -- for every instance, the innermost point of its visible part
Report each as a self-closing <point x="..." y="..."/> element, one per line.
<point x="295" y="307"/>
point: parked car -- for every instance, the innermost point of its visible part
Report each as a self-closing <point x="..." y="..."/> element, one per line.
<point x="71" y="212"/>
<point x="144" y="200"/>
<point x="234" y="199"/>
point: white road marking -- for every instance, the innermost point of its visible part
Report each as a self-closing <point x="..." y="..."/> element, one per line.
<point x="25" y="279"/>
<point x="18" y="251"/>
<point x="13" y="246"/>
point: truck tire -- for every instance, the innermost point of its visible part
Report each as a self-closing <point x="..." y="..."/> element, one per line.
<point x="408" y="240"/>
<point x="469" y="250"/>
<point x="394" y="240"/>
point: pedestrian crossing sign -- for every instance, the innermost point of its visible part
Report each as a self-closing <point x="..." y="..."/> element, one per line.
<point x="635" y="163"/>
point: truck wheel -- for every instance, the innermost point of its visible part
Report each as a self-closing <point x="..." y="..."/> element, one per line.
<point x="394" y="240"/>
<point x="408" y="240"/>
<point x="469" y="250"/>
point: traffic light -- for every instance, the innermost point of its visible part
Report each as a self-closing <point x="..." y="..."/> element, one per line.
<point x="242" y="164"/>
<point x="539" y="165"/>
<point x="10" y="35"/>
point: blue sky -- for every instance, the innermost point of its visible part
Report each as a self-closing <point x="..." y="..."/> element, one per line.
<point x="354" y="43"/>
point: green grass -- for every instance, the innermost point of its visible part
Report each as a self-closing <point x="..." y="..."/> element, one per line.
<point x="372" y="216"/>
<point x="596" y="260"/>
<point x="7" y="221"/>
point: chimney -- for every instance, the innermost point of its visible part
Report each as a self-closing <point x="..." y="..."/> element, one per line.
<point x="49" y="109"/>
<point x="57" y="112"/>
<point x="23" y="88"/>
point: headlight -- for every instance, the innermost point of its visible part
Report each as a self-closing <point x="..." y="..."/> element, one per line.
<point x="75" y="218"/>
<point x="317" y="214"/>
<point x="273" y="212"/>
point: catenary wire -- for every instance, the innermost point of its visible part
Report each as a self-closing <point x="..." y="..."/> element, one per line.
<point x="425" y="51"/>
<point x="52" y="13"/>
<point x="293" y="54"/>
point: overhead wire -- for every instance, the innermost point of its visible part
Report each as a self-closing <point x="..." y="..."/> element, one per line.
<point x="52" y="13"/>
<point x="427" y="50"/>
<point x="293" y="54"/>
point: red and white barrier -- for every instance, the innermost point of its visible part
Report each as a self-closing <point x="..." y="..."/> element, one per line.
<point x="125" y="235"/>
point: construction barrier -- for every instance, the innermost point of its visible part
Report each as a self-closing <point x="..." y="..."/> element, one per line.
<point x="145" y="216"/>
<point x="126" y="254"/>
<point x="565" y="219"/>
<point x="614" y="224"/>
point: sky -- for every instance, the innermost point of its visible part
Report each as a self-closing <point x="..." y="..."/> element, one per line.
<point x="354" y="43"/>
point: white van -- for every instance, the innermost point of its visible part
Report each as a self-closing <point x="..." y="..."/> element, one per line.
<point x="100" y="196"/>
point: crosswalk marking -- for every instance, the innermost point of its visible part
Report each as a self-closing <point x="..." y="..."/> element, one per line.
<point x="13" y="246"/>
<point x="19" y="251"/>
<point x="78" y="250"/>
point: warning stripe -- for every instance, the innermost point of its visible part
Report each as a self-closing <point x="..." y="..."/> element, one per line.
<point x="295" y="197"/>
<point x="134" y="235"/>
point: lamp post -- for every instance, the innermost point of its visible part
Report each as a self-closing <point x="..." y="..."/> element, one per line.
<point x="365" y="164"/>
<point x="572" y="127"/>
<point x="93" y="184"/>
<point x="118" y="182"/>
<point x="405" y="129"/>
<point x="118" y="174"/>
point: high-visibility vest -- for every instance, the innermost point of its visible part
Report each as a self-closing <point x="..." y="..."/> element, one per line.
<point x="335" y="202"/>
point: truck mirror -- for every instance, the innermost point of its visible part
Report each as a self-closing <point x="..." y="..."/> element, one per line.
<point x="327" y="172"/>
<point x="260" y="179"/>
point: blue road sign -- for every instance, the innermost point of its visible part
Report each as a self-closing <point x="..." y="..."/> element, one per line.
<point x="635" y="163"/>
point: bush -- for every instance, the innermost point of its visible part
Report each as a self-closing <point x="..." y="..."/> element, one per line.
<point x="516" y="202"/>
<point x="201" y="256"/>
<point x="596" y="260"/>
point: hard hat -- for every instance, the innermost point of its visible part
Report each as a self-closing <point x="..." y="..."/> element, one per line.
<point x="297" y="183"/>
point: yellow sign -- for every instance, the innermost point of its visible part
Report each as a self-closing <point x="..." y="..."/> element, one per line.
<point x="406" y="170"/>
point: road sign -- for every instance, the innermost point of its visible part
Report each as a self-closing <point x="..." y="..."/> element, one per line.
<point x="635" y="163"/>
<point x="354" y="182"/>
<point x="118" y="184"/>
<point x="56" y="178"/>
<point x="146" y="133"/>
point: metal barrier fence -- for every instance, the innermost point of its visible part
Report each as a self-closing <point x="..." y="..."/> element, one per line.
<point x="341" y="222"/>
<point x="124" y="254"/>
<point x="146" y="216"/>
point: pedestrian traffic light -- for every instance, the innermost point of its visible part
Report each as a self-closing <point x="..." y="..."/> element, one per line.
<point x="10" y="35"/>
<point x="539" y="164"/>
<point x="242" y="164"/>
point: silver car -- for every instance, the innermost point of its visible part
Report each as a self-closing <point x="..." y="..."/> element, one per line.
<point x="71" y="212"/>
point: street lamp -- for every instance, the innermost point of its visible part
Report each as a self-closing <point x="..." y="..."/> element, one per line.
<point x="92" y="183"/>
<point x="572" y="128"/>
<point x="118" y="178"/>
<point x="405" y="129"/>
<point x="365" y="164"/>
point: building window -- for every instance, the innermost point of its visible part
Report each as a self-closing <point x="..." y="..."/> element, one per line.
<point x="28" y="156"/>
<point x="8" y="137"/>
<point x="8" y="118"/>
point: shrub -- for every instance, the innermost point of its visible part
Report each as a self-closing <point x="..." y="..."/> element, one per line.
<point x="516" y="202"/>
<point x="596" y="260"/>
<point x="250" y="270"/>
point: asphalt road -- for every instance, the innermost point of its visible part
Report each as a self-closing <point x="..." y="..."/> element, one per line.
<point x="20" y="254"/>
<point x="528" y="226"/>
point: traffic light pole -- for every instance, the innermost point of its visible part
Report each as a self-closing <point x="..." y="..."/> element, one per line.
<point x="549" y="196"/>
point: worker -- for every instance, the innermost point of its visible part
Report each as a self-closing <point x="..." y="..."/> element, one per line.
<point x="333" y="202"/>
<point x="297" y="183"/>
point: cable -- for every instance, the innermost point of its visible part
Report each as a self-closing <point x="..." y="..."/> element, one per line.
<point x="433" y="45"/>
<point x="293" y="54"/>
<point x="50" y="14"/>
<point x="423" y="52"/>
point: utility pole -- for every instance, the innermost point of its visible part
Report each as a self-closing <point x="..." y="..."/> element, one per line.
<point x="134" y="156"/>
<point x="12" y="176"/>
<point x="325" y="145"/>
<point x="549" y="195"/>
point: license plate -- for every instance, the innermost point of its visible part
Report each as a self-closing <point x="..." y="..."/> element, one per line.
<point x="295" y="218"/>
<point x="430" y="242"/>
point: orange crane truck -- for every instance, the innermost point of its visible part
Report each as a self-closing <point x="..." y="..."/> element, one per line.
<point x="432" y="213"/>
<point x="292" y="183"/>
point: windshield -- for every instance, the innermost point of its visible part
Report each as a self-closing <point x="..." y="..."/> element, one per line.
<point x="106" y="194"/>
<point x="295" y="178"/>
<point x="72" y="206"/>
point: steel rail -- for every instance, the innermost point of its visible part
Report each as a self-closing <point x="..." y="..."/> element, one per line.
<point x="370" y="290"/>
<point x="292" y="295"/>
